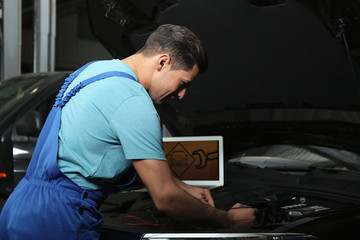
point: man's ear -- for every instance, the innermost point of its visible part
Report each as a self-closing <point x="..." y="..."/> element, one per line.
<point x="163" y="62"/>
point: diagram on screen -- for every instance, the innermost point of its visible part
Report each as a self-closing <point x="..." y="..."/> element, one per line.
<point x="181" y="159"/>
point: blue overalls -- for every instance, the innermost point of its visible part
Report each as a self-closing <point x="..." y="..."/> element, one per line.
<point x="46" y="204"/>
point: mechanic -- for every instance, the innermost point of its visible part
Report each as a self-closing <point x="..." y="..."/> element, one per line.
<point x="103" y="124"/>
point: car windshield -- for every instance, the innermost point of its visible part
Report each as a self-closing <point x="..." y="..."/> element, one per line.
<point x="15" y="89"/>
<point x="291" y="157"/>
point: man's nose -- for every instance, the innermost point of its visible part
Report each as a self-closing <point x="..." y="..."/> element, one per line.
<point x="181" y="93"/>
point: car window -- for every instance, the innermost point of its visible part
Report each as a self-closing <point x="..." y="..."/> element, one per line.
<point x="11" y="92"/>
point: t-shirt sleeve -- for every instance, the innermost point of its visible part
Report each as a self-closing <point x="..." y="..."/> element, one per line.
<point x="137" y="125"/>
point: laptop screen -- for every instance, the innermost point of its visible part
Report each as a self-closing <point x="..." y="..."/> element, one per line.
<point x="198" y="161"/>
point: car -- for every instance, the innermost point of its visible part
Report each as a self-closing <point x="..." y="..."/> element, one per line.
<point x="25" y="102"/>
<point x="282" y="89"/>
<point x="285" y="194"/>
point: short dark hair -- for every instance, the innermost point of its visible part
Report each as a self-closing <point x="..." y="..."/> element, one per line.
<point x="182" y="45"/>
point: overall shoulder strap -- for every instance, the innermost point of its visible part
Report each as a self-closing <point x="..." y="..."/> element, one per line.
<point x="60" y="101"/>
<point x="68" y="81"/>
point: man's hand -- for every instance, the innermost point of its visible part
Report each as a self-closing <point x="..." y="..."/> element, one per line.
<point x="242" y="216"/>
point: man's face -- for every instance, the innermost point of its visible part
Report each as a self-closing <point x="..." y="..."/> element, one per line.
<point x="171" y="84"/>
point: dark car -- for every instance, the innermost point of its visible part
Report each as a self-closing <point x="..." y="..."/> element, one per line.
<point x="25" y="102"/>
<point x="282" y="88"/>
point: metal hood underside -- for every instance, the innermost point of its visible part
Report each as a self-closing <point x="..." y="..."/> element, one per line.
<point x="287" y="69"/>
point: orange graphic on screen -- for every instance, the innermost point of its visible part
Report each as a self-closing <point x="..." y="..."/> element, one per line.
<point x="193" y="160"/>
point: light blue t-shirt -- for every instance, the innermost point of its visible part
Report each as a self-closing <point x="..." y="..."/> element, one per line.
<point x="105" y="125"/>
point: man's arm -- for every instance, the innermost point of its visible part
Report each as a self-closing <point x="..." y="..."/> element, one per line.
<point x="203" y="195"/>
<point x="174" y="201"/>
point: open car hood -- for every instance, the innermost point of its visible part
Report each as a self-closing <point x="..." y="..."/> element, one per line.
<point x="283" y="71"/>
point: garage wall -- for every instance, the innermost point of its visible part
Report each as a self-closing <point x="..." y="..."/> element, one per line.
<point x="75" y="44"/>
<point x="74" y="47"/>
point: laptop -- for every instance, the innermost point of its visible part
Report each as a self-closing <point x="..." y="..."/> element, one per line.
<point x="198" y="161"/>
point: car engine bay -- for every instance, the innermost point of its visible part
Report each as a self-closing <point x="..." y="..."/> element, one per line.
<point x="285" y="203"/>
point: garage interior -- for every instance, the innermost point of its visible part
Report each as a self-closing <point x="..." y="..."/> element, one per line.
<point x="295" y="86"/>
<point x="40" y="36"/>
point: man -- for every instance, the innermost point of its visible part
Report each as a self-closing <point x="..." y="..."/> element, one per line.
<point x="103" y="122"/>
